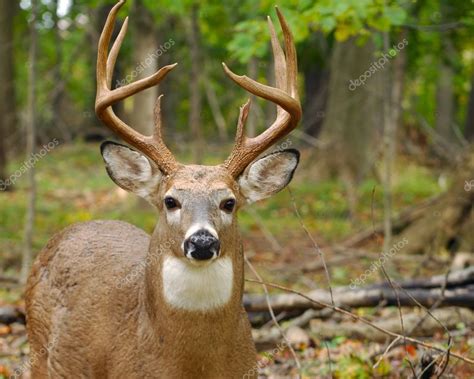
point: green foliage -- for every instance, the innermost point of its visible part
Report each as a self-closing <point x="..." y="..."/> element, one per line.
<point x="250" y="40"/>
<point x="415" y="183"/>
<point x="236" y="32"/>
<point x="344" y="19"/>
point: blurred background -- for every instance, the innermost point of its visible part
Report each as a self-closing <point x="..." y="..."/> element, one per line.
<point x="387" y="89"/>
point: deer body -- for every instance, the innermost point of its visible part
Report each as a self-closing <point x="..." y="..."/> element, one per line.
<point x="105" y="300"/>
<point x="107" y="328"/>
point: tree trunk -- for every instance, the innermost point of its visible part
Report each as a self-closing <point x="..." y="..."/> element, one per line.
<point x="392" y="107"/>
<point x="31" y="146"/>
<point x="194" y="121"/>
<point x="447" y="223"/>
<point x="316" y="89"/>
<point x="216" y="111"/>
<point x="389" y="130"/>
<point x="347" y="297"/>
<point x="315" y="63"/>
<point x="469" y="124"/>
<point x="145" y="63"/>
<point x="7" y="80"/>
<point x="445" y="103"/>
<point x="354" y="114"/>
<point x="58" y="95"/>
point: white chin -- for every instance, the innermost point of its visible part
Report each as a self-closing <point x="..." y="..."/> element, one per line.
<point x="201" y="263"/>
<point x="199" y="286"/>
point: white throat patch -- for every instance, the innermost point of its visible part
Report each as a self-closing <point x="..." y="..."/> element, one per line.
<point x="195" y="288"/>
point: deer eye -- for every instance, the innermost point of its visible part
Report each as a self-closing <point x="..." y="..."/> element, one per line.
<point x="171" y="203"/>
<point x="228" y="205"/>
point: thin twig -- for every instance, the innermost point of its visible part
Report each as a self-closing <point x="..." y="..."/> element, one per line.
<point x="272" y="314"/>
<point x="436" y="304"/>
<point x="321" y="255"/>
<point x="429" y="312"/>
<point x="329" y="358"/>
<point x="387" y="349"/>
<point x="362" y="319"/>
<point x="453" y="366"/>
<point x="279" y="317"/>
<point x="266" y="232"/>
<point x="315" y="245"/>
<point x="394" y="290"/>
<point x="402" y="326"/>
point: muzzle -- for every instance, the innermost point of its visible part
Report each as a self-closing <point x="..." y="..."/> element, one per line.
<point x="201" y="246"/>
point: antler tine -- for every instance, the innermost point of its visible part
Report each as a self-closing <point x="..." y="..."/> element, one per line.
<point x="284" y="95"/>
<point x="279" y="57"/>
<point x="153" y="146"/>
<point x="244" y="113"/>
<point x="157" y="113"/>
<point x="114" y="52"/>
<point x="104" y="42"/>
<point x="280" y="63"/>
<point x="292" y="67"/>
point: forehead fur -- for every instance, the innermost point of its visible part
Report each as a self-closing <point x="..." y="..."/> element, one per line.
<point x="201" y="178"/>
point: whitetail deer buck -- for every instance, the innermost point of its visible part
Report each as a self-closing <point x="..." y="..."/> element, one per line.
<point x="181" y="316"/>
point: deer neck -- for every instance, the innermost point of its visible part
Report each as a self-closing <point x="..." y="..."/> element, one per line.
<point x="176" y="290"/>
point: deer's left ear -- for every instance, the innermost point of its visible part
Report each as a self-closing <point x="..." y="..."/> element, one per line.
<point x="268" y="175"/>
<point x="131" y="170"/>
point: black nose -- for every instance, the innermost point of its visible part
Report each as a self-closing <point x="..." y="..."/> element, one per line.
<point x="201" y="245"/>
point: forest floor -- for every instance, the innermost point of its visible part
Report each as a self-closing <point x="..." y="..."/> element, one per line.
<point x="73" y="186"/>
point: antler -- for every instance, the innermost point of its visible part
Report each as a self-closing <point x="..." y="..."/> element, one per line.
<point x="285" y="95"/>
<point x="153" y="146"/>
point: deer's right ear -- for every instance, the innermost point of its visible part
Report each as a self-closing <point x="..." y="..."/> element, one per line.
<point x="130" y="169"/>
<point x="268" y="175"/>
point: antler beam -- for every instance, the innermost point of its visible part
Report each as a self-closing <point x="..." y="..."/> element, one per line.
<point x="153" y="146"/>
<point x="284" y="95"/>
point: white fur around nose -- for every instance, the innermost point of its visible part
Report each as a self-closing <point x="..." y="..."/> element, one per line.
<point x="201" y="226"/>
<point x="196" y="288"/>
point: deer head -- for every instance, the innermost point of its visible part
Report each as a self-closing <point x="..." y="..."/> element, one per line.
<point x="199" y="203"/>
